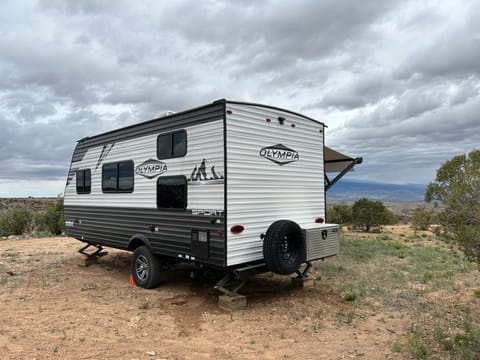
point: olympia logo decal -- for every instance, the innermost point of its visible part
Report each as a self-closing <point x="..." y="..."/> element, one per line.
<point x="151" y="168"/>
<point x="279" y="154"/>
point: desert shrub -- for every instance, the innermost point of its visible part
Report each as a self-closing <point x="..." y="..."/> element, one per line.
<point x="339" y="214"/>
<point x="16" y="222"/>
<point x="52" y="220"/>
<point x="367" y="214"/>
<point x="417" y="345"/>
<point x="422" y="218"/>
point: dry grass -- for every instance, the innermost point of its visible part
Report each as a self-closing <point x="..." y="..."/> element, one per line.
<point x="415" y="275"/>
<point x="396" y="294"/>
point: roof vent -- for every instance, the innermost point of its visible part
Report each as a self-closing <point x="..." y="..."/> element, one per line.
<point x="167" y="113"/>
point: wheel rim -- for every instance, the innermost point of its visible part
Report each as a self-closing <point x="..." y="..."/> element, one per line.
<point x="288" y="251"/>
<point x="141" y="267"/>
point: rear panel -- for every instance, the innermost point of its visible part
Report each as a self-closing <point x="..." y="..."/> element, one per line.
<point x="274" y="171"/>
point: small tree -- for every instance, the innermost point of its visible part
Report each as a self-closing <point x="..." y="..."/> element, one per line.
<point x="422" y="218"/>
<point x="367" y="214"/>
<point x="457" y="187"/>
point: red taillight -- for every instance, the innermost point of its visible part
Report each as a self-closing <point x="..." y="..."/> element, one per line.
<point x="237" y="229"/>
<point x="268" y="120"/>
<point x="229" y="112"/>
<point x="319" y="220"/>
<point x="220" y="233"/>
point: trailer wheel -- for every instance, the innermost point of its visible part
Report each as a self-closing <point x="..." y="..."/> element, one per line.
<point x="283" y="247"/>
<point x="146" y="268"/>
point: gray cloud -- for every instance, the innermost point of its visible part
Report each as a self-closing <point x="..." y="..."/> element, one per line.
<point x="397" y="82"/>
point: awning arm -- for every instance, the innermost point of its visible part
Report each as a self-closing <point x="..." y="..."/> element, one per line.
<point x="329" y="183"/>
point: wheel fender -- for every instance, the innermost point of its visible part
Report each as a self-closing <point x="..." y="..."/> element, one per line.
<point x="138" y="240"/>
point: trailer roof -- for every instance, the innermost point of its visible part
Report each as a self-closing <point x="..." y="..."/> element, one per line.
<point x="170" y="115"/>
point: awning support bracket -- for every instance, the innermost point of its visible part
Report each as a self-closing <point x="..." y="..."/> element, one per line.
<point x="329" y="183"/>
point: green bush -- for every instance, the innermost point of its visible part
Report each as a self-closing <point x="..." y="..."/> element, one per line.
<point x="367" y="214"/>
<point x="52" y="219"/>
<point x="422" y="218"/>
<point x="350" y="295"/>
<point x="16" y="222"/>
<point x="339" y="214"/>
<point x="417" y="345"/>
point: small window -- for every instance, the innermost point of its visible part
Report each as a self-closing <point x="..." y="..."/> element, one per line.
<point x="172" y="192"/>
<point x="172" y="145"/>
<point x="118" y="177"/>
<point x="84" y="181"/>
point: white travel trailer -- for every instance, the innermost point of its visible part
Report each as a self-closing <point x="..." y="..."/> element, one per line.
<point x="231" y="186"/>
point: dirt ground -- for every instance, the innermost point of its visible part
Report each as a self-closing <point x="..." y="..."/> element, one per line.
<point x="50" y="307"/>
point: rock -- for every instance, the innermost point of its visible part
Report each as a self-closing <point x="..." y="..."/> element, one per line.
<point x="151" y="353"/>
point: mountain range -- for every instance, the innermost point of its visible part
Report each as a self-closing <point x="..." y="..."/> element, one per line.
<point x="350" y="191"/>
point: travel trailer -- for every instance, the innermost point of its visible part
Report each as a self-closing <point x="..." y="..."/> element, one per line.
<point x="230" y="186"/>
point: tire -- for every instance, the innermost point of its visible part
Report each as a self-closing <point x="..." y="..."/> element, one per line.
<point x="283" y="247"/>
<point x="146" y="268"/>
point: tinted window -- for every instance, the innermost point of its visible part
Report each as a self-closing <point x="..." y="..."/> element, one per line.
<point x="118" y="177"/>
<point x="179" y="143"/>
<point x="88" y="181"/>
<point x="164" y="146"/>
<point x="125" y="176"/>
<point x="80" y="180"/>
<point x="172" y="192"/>
<point x="84" y="181"/>
<point x="172" y="145"/>
<point x="109" y="177"/>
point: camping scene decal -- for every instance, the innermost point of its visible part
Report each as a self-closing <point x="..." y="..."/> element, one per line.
<point x="199" y="175"/>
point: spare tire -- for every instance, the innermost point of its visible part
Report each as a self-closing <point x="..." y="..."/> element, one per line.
<point x="283" y="247"/>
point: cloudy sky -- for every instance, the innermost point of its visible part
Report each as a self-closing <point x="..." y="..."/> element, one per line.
<point x="397" y="82"/>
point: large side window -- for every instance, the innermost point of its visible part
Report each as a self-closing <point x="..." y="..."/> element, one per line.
<point x="172" y="145"/>
<point x="172" y="192"/>
<point x="118" y="177"/>
<point x="84" y="181"/>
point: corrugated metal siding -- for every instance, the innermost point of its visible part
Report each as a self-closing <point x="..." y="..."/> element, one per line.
<point x="204" y="141"/>
<point x="184" y="119"/>
<point x="113" y="226"/>
<point x="260" y="191"/>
